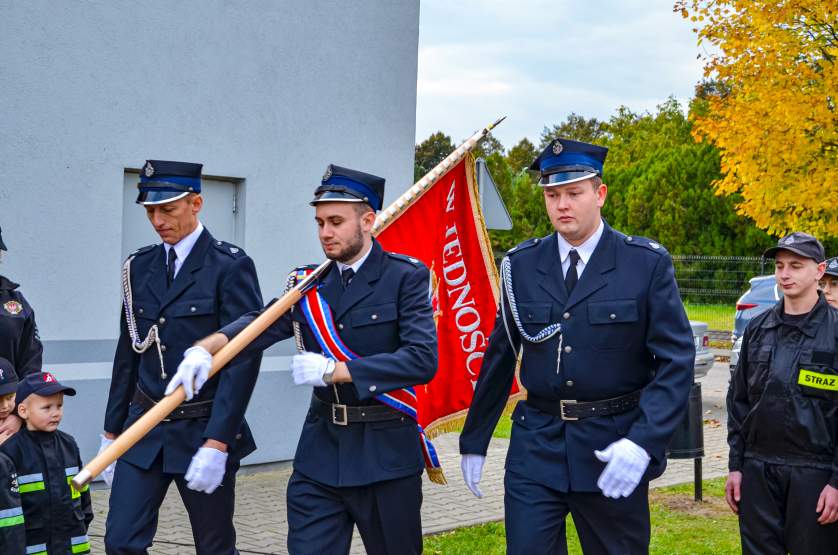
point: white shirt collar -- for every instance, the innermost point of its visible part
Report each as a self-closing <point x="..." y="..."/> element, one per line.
<point x="585" y="250"/>
<point x="358" y="263"/>
<point x="184" y="246"/>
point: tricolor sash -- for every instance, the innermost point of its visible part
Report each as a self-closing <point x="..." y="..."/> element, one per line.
<point x="318" y="314"/>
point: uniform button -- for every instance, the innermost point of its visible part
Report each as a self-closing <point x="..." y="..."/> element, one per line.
<point x="373" y="388"/>
<point x="140" y="311"/>
<point x="162" y="320"/>
<point x="340" y="326"/>
<point x="566" y="315"/>
<point x="374" y="316"/>
<point x="218" y="242"/>
<point x="529" y="316"/>
<point x="163" y="348"/>
<point x="568" y="348"/>
<point x="612" y="316"/>
<point x="523" y="417"/>
<point x="628" y="238"/>
<point x="569" y="383"/>
<point x="192" y="309"/>
<point x="238" y="436"/>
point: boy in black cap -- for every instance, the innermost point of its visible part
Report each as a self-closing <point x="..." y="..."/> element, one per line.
<point x="8" y="387"/>
<point x="829" y="282"/>
<point x="783" y="412"/>
<point x="12" y="534"/>
<point x="56" y="516"/>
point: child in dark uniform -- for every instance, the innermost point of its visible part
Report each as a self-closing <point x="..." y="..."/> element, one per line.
<point x="56" y="516"/>
<point x="12" y="534"/>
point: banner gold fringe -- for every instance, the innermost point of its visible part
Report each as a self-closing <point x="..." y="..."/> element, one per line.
<point x="437" y="476"/>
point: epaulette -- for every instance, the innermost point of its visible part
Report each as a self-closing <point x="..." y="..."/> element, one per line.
<point x="638" y="241"/>
<point x="525" y="245"/>
<point x="404" y="258"/>
<point x="142" y="250"/>
<point x="228" y="248"/>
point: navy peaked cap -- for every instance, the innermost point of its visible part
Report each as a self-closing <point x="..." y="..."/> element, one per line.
<point x="345" y="185"/>
<point x="163" y="181"/>
<point x="564" y="161"/>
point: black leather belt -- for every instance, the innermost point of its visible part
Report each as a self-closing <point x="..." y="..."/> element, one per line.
<point x="201" y="409"/>
<point x="574" y="410"/>
<point x="351" y="414"/>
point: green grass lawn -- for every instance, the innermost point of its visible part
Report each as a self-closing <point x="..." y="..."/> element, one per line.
<point x="679" y="525"/>
<point x="716" y="316"/>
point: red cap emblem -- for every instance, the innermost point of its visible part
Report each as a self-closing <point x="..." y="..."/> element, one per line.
<point x="49" y="377"/>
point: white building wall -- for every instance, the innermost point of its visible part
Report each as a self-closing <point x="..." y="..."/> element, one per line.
<point x="269" y="92"/>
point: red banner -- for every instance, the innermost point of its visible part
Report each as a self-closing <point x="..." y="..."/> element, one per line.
<point x="444" y="228"/>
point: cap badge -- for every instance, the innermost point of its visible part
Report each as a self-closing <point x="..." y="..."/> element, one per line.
<point x="148" y="170"/>
<point x="13" y="307"/>
<point x="48" y="377"/>
<point x="789" y="240"/>
<point x="557" y="147"/>
<point x="833" y="264"/>
<point x="654" y="245"/>
<point x="328" y="173"/>
<point x="234" y="250"/>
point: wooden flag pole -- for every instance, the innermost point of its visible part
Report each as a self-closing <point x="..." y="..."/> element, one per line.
<point x="167" y="404"/>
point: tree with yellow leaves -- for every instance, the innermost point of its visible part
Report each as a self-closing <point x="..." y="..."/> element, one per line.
<point x="771" y="106"/>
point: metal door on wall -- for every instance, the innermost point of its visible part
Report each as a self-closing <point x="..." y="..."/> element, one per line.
<point x="219" y="213"/>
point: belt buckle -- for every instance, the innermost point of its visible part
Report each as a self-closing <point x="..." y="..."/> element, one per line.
<point x="562" y="404"/>
<point x="339" y="416"/>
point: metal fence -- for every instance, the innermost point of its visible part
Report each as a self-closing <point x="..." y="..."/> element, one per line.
<point x="711" y="285"/>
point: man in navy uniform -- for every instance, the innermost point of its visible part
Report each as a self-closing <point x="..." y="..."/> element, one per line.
<point x="174" y="294"/>
<point x="358" y="460"/>
<point x="607" y="363"/>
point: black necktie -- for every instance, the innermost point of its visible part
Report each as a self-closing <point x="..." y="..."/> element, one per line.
<point x="170" y="266"/>
<point x="571" y="277"/>
<point x="346" y="277"/>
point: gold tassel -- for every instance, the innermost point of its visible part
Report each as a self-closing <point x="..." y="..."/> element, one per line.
<point x="437" y="476"/>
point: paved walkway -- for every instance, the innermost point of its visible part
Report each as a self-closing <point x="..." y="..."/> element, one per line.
<point x="260" y="510"/>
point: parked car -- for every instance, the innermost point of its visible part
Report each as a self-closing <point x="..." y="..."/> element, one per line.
<point x="734" y="353"/>
<point x="762" y="295"/>
<point x="703" y="356"/>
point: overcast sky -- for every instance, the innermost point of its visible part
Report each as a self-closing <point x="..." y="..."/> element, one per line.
<point x="536" y="61"/>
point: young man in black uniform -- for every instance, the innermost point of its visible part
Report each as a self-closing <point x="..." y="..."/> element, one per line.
<point x="359" y="461"/>
<point x="783" y="414"/>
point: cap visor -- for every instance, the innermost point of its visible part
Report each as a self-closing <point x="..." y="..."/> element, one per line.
<point x="7" y="388"/>
<point x="148" y="198"/>
<point x="565" y="178"/>
<point x="53" y="388"/>
<point x="772" y="253"/>
<point x="334" y="196"/>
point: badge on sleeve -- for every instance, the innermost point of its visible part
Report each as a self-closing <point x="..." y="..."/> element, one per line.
<point x="13" y="307"/>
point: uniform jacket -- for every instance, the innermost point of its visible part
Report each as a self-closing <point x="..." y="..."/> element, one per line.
<point x="12" y="531"/>
<point x="216" y="284"/>
<point x="56" y="516"/>
<point x="623" y="328"/>
<point x="776" y="411"/>
<point x="385" y="317"/>
<point x="19" y="341"/>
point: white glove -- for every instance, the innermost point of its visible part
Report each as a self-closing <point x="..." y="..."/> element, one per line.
<point x="107" y="474"/>
<point x="192" y="372"/>
<point x="308" y="368"/>
<point x="627" y="462"/>
<point x="472" y="466"/>
<point x="206" y="470"/>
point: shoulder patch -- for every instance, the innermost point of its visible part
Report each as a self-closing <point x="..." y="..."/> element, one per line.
<point x="405" y="258"/>
<point x="228" y="248"/>
<point x="638" y="241"/>
<point x="525" y="245"/>
<point x="143" y="250"/>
